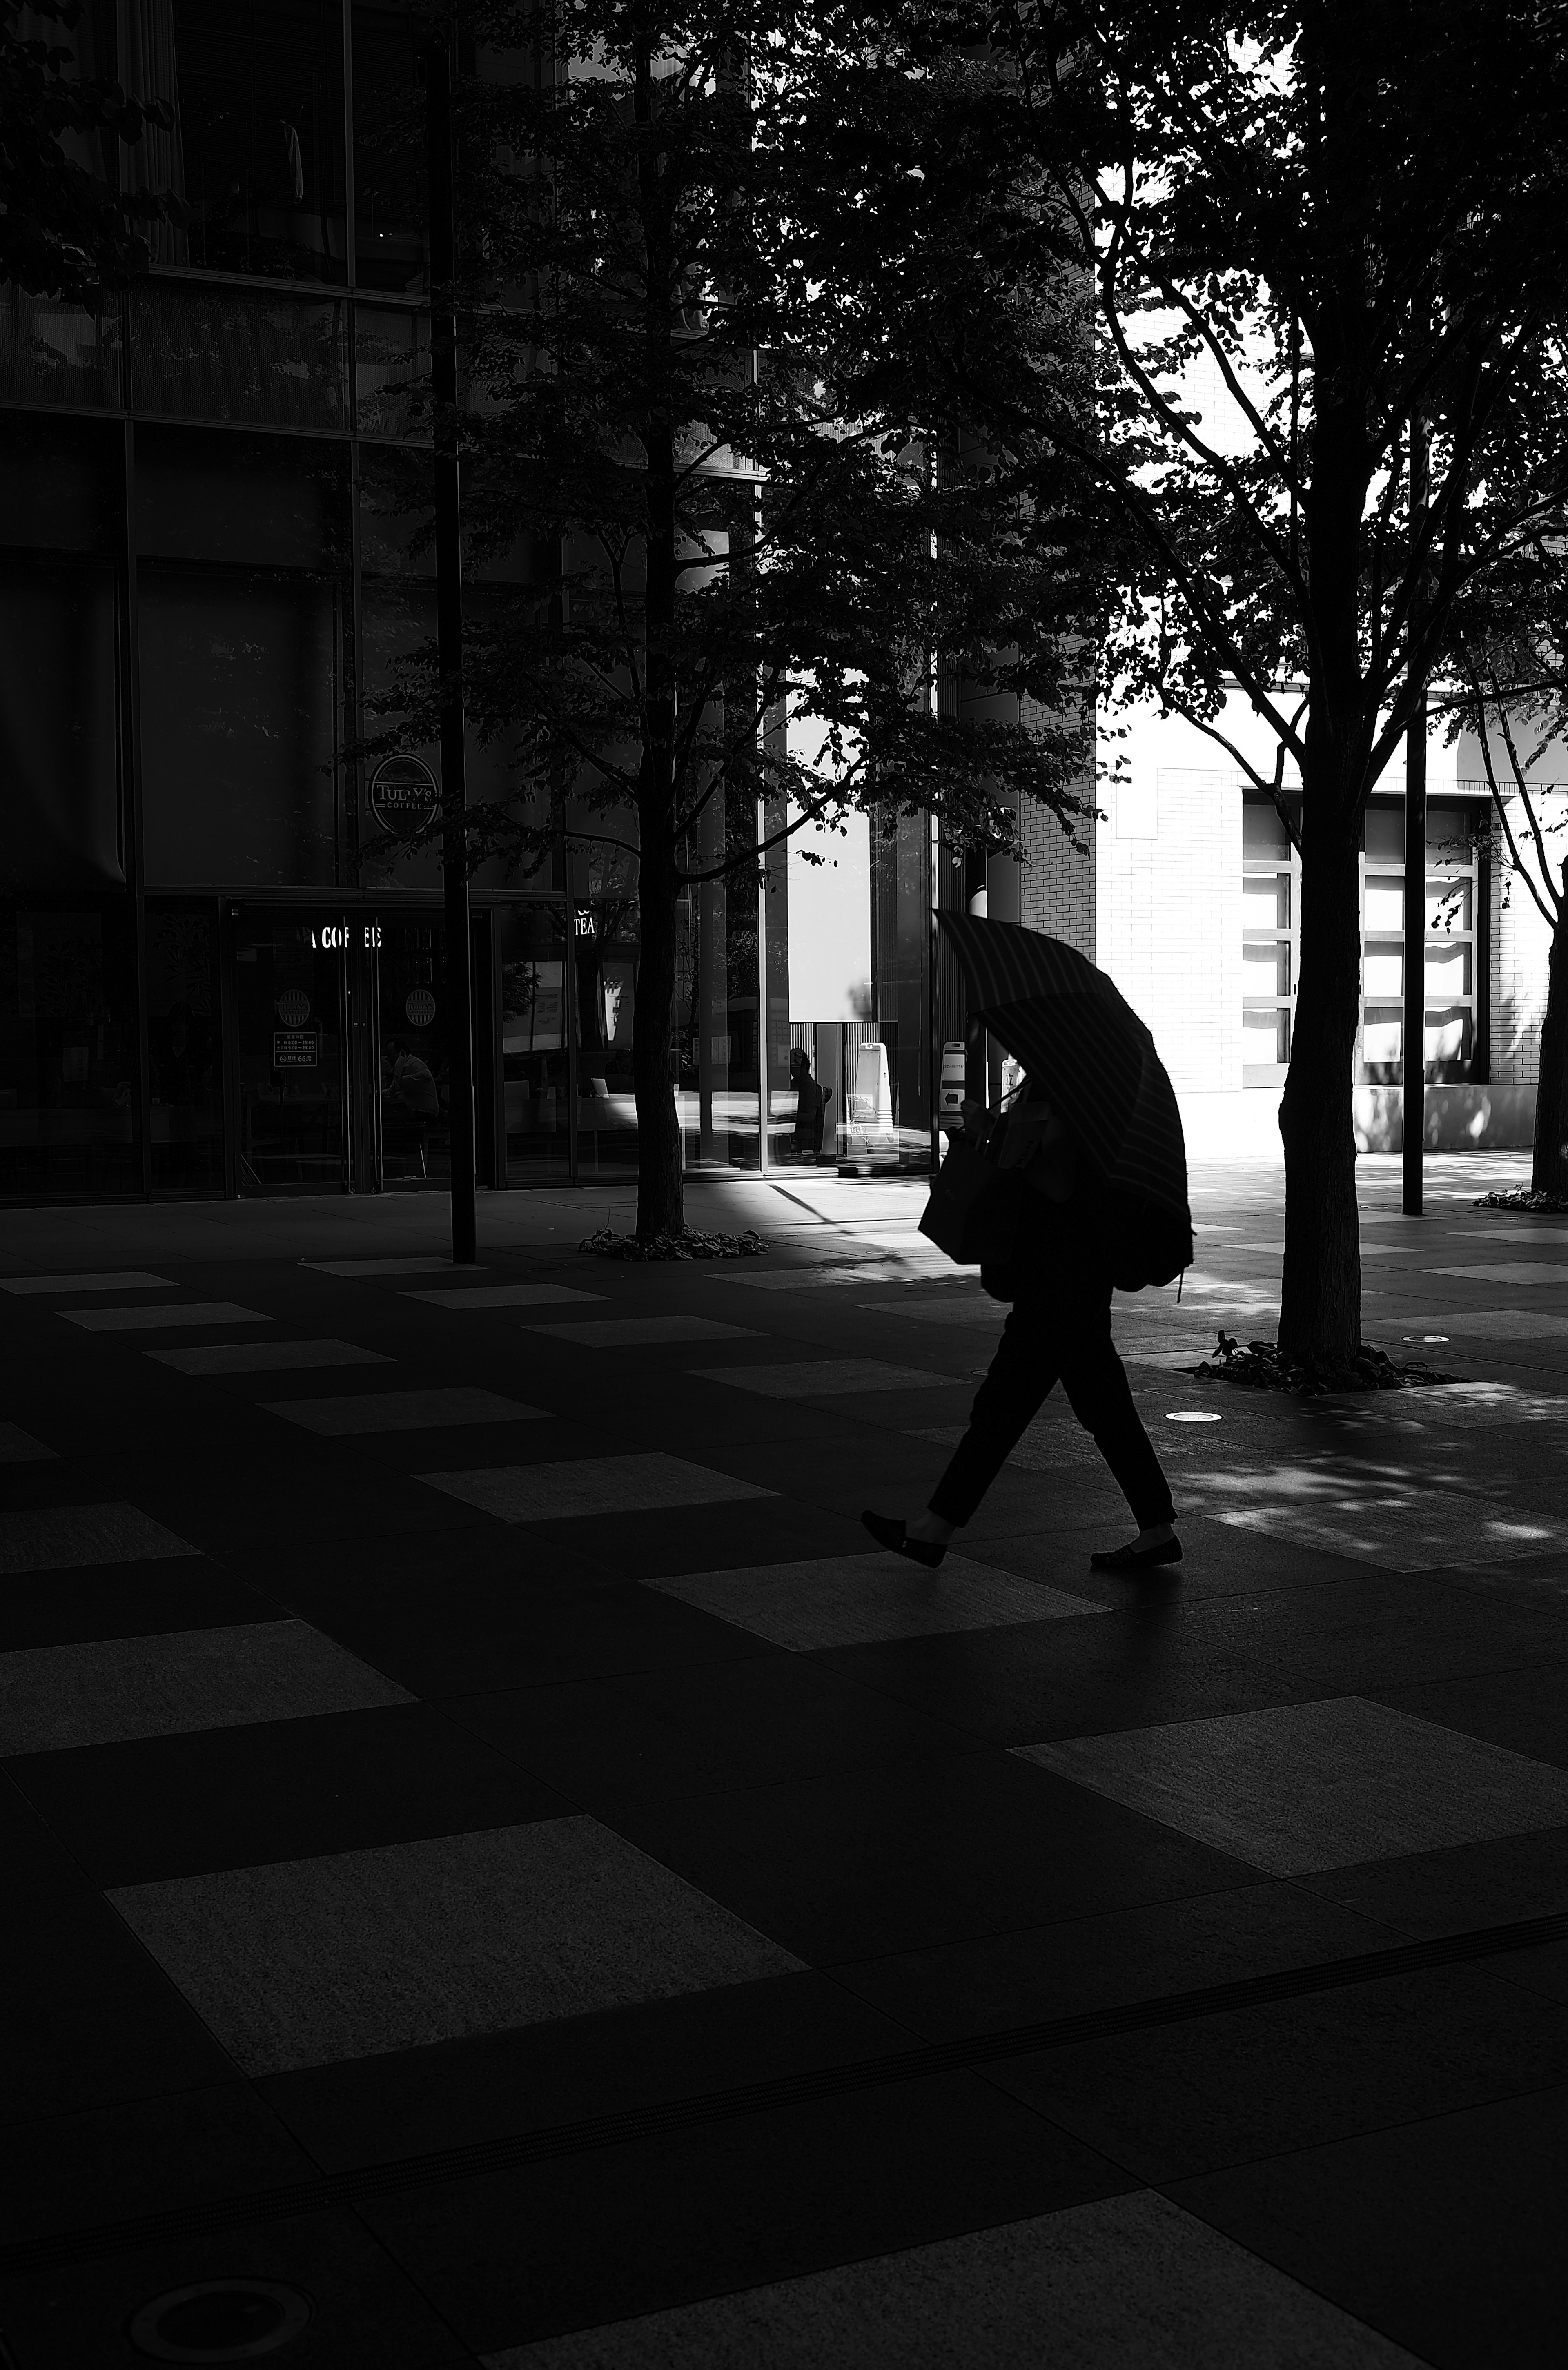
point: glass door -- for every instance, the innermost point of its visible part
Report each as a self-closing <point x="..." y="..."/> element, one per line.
<point x="290" y="1009"/>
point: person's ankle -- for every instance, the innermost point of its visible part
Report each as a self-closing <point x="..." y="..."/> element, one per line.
<point x="931" y="1528"/>
<point x="1155" y="1534"/>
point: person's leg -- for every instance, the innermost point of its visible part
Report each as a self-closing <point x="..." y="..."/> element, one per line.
<point x="1100" y="1396"/>
<point x="1017" y="1384"/>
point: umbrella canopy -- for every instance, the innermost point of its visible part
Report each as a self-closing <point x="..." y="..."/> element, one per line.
<point x="1079" y="1038"/>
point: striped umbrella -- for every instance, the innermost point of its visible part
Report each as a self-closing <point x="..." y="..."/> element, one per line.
<point x="1078" y="1036"/>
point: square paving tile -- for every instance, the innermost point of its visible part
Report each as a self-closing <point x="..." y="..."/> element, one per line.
<point x="1508" y="1271"/>
<point x="158" y="1318"/>
<point x="61" y="1539"/>
<point x="359" y="1953"/>
<point x="1314" y="1785"/>
<point x="1499" y="1324"/>
<point x="504" y="1295"/>
<point x="944" y="1308"/>
<point x="1050" y="1446"/>
<point x="402" y="1410"/>
<point x="20" y="1447"/>
<point x="267" y="1357"/>
<point x="132" y="1279"/>
<point x="1130" y="2280"/>
<point x="591" y="1485"/>
<point x="631" y="1332"/>
<point x="116" y="1688"/>
<point x="807" y="1379"/>
<point x="854" y="1600"/>
<point x="1378" y="1512"/>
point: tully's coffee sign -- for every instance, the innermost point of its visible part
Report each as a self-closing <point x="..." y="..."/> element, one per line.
<point x="403" y="796"/>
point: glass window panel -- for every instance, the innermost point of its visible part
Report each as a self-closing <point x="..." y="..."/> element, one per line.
<point x="1384" y="831"/>
<point x="390" y="209"/>
<point x="391" y="371"/>
<point x="607" y="948"/>
<point x="233" y="353"/>
<point x="288" y="1059"/>
<point x="272" y="501"/>
<point x="1449" y="971"/>
<point x="185" y="1068"/>
<point x="1266" y="970"/>
<point x="534" y="1041"/>
<point x="239" y="677"/>
<point x="1265" y="1037"/>
<point x="1382" y="1040"/>
<point x="67" y="1050"/>
<point x="57" y="723"/>
<point x="1450" y="905"/>
<point x="1262" y="833"/>
<point x="60" y="485"/>
<point x="257" y="151"/>
<point x="1265" y="901"/>
<point x="51" y="353"/>
<point x="1384" y="904"/>
<point x="1383" y="970"/>
<point x="1448" y="1037"/>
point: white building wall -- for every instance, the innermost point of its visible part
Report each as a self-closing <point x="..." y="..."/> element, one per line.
<point x="1520" y="944"/>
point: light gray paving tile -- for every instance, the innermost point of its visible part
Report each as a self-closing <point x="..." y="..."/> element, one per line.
<point x="1379" y="1512"/>
<point x="130" y="1278"/>
<point x="789" y="1279"/>
<point x="307" y="1962"/>
<point x="1536" y="1234"/>
<point x="1315" y="1786"/>
<point x="1496" y="1324"/>
<point x="267" y="1357"/>
<point x="426" y="1266"/>
<point x="403" y="1410"/>
<point x="811" y="1379"/>
<point x="1446" y="1407"/>
<point x="116" y="1688"/>
<point x="504" y="1295"/>
<point x="593" y="1485"/>
<point x="1507" y="1271"/>
<point x="160" y="1319"/>
<point x="20" y="1447"/>
<point x="632" y="1332"/>
<point x="1129" y="2283"/>
<point x="857" y="1600"/>
<point x="61" y="1539"/>
<point x="946" y="1308"/>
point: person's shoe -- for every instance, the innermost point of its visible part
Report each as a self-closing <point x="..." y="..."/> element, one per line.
<point x="1132" y="1559"/>
<point x="888" y="1532"/>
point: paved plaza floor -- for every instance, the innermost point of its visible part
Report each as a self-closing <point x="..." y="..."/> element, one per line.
<point x="491" y="1849"/>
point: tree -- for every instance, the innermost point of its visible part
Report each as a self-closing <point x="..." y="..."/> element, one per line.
<point x="1510" y="663"/>
<point x="1347" y="220"/>
<point x="742" y="546"/>
<point x="66" y="229"/>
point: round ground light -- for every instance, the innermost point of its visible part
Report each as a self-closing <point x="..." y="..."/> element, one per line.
<point x="220" y="2320"/>
<point x="1190" y="1415"/>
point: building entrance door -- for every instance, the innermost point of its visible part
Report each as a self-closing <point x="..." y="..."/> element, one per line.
<point x="340" y="1053"/>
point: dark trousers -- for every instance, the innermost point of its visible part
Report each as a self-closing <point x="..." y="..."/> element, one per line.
<point x="1059" y="1330"/>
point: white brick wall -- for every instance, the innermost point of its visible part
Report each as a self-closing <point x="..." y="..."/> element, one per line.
<point x="1520" y="943"/>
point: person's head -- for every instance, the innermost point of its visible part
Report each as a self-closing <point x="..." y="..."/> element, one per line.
<point x="799" y="1062"/>
<point x="396" y="1049"/>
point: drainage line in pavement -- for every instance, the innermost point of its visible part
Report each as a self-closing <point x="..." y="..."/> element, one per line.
<point x="519" y="2150"/>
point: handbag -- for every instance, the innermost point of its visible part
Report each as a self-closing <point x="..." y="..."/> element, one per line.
<point x="973" y="1211"/>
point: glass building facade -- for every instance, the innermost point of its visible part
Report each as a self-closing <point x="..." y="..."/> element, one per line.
<point x="221" y="971"/>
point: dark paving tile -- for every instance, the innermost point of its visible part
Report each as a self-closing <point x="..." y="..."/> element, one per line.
<point x="63" y="1537"/>
<point x="472" y="1638"/>
<point x="1067" y="1678"/>
<point x="1524" y="1711"/>
<point x="35" y="1861"/>
<point x="1216" y="1561"/>
<point x="1262" y="2081"/>
<point x="288" y="1789"/>
<point x="86" y="2019"/>
<point x="703" y="1728"/>
<point x="341" y="1500"/>
<point x="70" y="1608"/>
<point x="707" y="1538"/>
<point x="882" y="1861"/>
<point x="630" y="2229"/>
<point x="454" y="2093"/>
<point x="145" y="2157"/>
<point x="1460" y="1889"/>
<point x="1446" y="2234"/>
<point x="363" y="2309"/>
<point x="999" y="1980"/>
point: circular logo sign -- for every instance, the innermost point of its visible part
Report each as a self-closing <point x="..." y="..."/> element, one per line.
<point x="294" y="1007"/>
<point x="419" y="1007"/>
<point x="403" y="796"/>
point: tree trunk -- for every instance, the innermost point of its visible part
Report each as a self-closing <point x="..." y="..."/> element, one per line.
<point x="1320" y="1297"/>
<point x="1549" y="1166"/>
<point x="661" y="1198"/>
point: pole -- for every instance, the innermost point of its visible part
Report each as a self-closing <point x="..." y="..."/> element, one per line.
<point x="449" y="642"/>
<point x="1414" y="1066"/>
